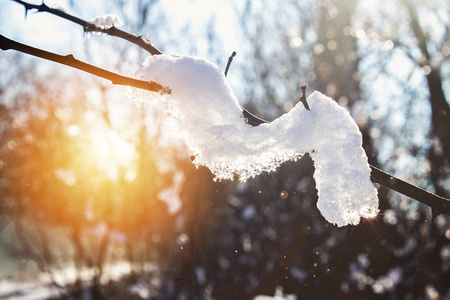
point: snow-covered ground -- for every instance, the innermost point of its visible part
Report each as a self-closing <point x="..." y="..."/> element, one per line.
<point x="40" y="285"/>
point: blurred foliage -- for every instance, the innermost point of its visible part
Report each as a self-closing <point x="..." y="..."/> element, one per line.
<point x="81" y="170"/>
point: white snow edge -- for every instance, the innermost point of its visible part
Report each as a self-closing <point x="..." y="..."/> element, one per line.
<point x="107" y="21"/>
<point x="209" y="119"/>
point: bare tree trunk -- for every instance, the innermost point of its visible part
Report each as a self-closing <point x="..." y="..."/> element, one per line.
<point x="439" y="154"/>
<point x="336" y="63"/>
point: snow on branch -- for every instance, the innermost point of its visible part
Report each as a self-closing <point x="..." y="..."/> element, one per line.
<point x="438" y="204"/>
<point x="209" y="119"/>
<point x="106" y="22"/>
<point x="295" y="133"/>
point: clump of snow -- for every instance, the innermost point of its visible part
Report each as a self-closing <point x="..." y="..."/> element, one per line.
<point x="209" y="119"/>
<point x="107" y="21"/>
<point x="279" y="295"/>
<point x="60" y="8"/>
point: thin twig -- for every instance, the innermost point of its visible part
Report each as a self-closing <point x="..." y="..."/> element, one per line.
<point x="438" y="204"/>
<point x="230" y="59"/>
<point x="303" y="97"/>
<point x="91" y="27"/>
<point x="69" y="60"/>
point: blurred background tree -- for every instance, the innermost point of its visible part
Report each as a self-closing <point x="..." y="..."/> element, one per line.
<point x="82" y="170"/>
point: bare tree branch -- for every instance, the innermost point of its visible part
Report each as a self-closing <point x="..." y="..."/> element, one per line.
<point x="438" y="204"/>
<point x="69" y="60"/>
<point x="90" y="27"/>
<point x="230" y="60"/>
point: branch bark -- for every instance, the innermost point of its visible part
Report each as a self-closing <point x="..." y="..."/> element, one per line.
<point x="90" y="27"/>
<point x="69" y="60"/>
<point x="437" y="203"/>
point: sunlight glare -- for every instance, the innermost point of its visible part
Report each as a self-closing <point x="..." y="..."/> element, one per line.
<point x="111" y="153"/>
<point x="369" y="214"/>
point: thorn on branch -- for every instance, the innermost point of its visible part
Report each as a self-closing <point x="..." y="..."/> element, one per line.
<point x="43" y="7"/>
<point x="303" y="96"/>
<point x="230" y="59"/>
